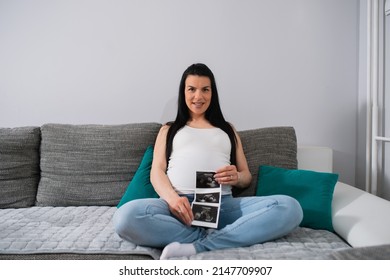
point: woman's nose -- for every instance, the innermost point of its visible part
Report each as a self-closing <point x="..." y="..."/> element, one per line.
<point x="198" y="94"/>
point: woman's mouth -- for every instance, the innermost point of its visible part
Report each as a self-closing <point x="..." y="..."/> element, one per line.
<point x="198" y="104"/>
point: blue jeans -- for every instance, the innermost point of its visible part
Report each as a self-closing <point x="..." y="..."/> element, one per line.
<point x="243" y="221"/>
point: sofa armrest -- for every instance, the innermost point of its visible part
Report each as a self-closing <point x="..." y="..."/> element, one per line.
<point x="359" y="217"/>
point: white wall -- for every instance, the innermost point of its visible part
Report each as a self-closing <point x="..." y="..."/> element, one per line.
<point x="362" y="98"/>
<point x="276" y="63"/>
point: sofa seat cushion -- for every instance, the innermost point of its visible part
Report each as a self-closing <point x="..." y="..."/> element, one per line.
<point x="300" y="244"/>
<point x="90" y="164"/>
<point x="89" y="230"/>
<point x="71" y="230"/>
<point x="378" y="252"/>
<point x="19" y="166"/>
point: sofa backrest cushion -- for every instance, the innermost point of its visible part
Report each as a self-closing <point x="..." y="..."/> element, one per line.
<point x="90" y="164"/>
<point x="19" y="166"/>
<point x="275" y="146"/>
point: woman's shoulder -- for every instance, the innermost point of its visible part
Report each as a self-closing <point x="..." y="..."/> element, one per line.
<point x="164" y="128"/>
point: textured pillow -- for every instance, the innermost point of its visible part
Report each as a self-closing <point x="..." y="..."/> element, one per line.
<point x="276" y="146"/>
<point x="313" y="190"/>
<point x="140" y="186"/>
<point x="19" y="166"/>
<point x="90" y="164"/>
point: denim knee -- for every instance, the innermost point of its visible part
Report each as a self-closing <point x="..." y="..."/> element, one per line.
<point x="124" y="221"/>
<point x="294" y="212"/>
<point x="118" y="221"/>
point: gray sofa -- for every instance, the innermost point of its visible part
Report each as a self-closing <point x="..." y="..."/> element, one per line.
<point x="60" y="185"/>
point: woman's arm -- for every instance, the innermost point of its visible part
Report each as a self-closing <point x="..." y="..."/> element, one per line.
<point x="236" y="175"/>
<point x="158" y="176"/>
<point x="244" y="175"/>
<point x="179" y="206"/>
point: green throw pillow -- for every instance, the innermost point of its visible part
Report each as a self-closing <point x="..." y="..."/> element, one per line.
<point x="140" y="186"/>
<point x="313" y="190"/>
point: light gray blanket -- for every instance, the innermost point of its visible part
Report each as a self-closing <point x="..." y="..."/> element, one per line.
<point x="89" y="230"/>
<point x="81" y="230"/>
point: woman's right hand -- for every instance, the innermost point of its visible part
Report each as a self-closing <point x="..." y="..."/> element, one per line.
<point x="181" y="208"/>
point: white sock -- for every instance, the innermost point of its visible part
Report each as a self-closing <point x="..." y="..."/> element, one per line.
<point x="176" y="249"/>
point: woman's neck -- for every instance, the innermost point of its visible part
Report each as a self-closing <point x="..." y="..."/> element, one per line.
<point x="199" y="123"/>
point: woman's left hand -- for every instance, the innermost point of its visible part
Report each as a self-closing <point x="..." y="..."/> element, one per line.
<point x="227" y="175"/>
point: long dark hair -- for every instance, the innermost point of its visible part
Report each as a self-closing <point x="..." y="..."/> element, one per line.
<point x="213" y="114"/>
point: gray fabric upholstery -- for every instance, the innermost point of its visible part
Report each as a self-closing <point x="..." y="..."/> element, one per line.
<point x="89" y="230"/>
<point x="300" y="244"/>
<point x="381" y="252"/>
<point x="51" y="256"/>
<point x="90" y="164"/>
<point x="64" y="230"/>
<point x="275" y="146"/>
<point x="19" y="166"/>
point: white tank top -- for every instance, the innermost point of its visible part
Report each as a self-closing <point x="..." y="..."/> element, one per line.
<point x="197" y="149"/>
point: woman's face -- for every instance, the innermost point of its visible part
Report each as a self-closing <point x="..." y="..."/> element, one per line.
<point x="197" y="94"/>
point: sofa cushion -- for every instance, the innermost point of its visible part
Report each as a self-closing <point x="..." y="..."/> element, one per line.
<point x="90" y="164"/>
<point x="378" y="252"/>
<point x="140" y="186"/>
<point x="19" y="166"/>
<point x="276" y="146"/>
<point x="50" y="231"/>
<point x="313" y="190"/>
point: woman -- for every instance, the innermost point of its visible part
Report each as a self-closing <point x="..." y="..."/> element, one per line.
<point x="201" y="140"/>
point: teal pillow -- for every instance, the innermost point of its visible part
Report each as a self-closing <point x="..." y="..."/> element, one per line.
<point x="313" y="190"/>
<point x="140" y="186"/>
